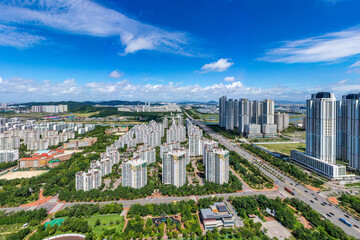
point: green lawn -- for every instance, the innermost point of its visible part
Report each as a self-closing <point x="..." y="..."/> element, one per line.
<point x="285" y="148"/>
<point x="105" y="223"/>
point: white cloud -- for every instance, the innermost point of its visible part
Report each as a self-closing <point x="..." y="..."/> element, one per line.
<point x="356" y="64"/>
<point x="330" y="47"/>
<point x="115" y="74"/>
<point x="229" y="79"/>
<point x="25" y="90"/>
<point x="1" y="80"/>
<point x="14" y="37"/>
<point x="219" y="66"/>
<point x="88" y="18"/>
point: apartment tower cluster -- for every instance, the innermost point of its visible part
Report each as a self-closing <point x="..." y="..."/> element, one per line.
<point x="91" y="179"/>
<point x="252" y="118"/>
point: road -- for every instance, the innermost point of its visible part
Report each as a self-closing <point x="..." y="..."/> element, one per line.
<point x="301" y="192"/>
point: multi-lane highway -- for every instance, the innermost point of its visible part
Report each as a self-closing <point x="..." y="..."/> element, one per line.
<point x="313" y="198"/>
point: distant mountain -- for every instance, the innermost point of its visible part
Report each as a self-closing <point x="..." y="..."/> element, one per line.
<point x="189" y="102"/>
<point x="287" y="101"/>
<point x="72" y="105"/>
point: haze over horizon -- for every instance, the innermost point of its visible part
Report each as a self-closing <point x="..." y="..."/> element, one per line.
<point x="85" y="50"/>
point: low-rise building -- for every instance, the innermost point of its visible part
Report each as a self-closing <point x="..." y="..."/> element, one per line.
<point x="45" y="158"/>
<point x="218" y="215"/>
<point x="76" y="143"/>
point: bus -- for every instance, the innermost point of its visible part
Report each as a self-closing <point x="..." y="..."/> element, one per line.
<point x="289" y="190"/>
<point x="345" y="222"/>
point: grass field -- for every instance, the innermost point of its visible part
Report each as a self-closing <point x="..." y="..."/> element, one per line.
<point x="80" y="114"/>
<point x="106" y="222"/>
<point x="284" y="148"/>
<point x="207" y="117"/>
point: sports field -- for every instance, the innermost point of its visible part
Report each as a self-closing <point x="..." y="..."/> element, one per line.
<point x="22" y="174"/>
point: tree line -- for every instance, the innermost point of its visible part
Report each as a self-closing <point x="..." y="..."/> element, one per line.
<point x="284" y="166"/>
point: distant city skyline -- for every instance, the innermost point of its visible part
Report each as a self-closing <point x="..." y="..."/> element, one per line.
<point x="175" y="51"/>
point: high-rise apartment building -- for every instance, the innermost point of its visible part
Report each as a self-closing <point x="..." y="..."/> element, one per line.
<point x="321" y="126"/>
<point x="134" y="173"/>
<point x="222" y="112"/>
<point x="320" y="153"/>
<point x="176" y="133"/>
<point x="348" y="130"/>
<point x="229" y="114"/>
<point x="244" y="114"/>
<point x="236" y="113"/>
<point x="217" y="165"/>
<point x="88" y="180"/>
<point x="174" y="167"/>
<point x="195" y="145"/>
<point x="281" y="121"/>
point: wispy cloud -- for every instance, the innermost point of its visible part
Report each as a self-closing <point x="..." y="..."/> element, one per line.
<point x="14" y="37"/>
<point x="88" y="18"/>
<point x="115" y="74"/>
<point x="229" y="79"/>
<point x="330" y="47"/>
<point x="356" y="64"/>
<point x="219" y="66"/>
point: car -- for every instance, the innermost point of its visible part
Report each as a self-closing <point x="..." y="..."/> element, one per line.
<point x="312" y="201"/>
<point x="356" y="226"/>
<point x="325" y="203"/>
<point x="328" y="215"/>
<point x="330" y="205"/>
<point x="313" y="194"/>
<point x="316" y="199"/>
<point x="306" y="191"/>
<point x="332" y="213"/>
<point x="291" y="184"/>
<point x="347" y="216"/>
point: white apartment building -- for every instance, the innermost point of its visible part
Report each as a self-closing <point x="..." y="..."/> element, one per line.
<point x="195" y="145"/>
<point x="217" y="165"/>
<point x="9" y="142"/>
<point x="8" y="156"/>
<point x="134" y="173"/>
<point x="88" y="180"/>
<point x="320" y="153"/>
<point x="174" y="167"/>
<point x="146" y="153"/>
<point x="50" y="108"/>
<point x="321" y="126"/>
<point x="208" y="144"/>
<point x="281" y="121"/>
<point x="167" y="147"/>
<point x="176" y="133"/>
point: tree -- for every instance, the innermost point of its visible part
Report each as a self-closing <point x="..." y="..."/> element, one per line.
<point x="97" y="223"/>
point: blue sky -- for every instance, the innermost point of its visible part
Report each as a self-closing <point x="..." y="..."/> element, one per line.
<point x="160" y="50"/>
